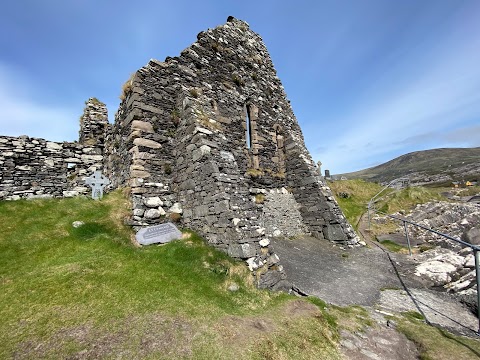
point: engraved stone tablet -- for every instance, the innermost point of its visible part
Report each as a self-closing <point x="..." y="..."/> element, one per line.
<point x="162" y="233"/>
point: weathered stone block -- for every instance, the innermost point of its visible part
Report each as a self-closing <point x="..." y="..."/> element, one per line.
<point x="334" y="232"/>
<point x="142" y="126"/>
<point x="153" y="202"/>
<point x="147" y="143"/>
<point x="152" y="214"/>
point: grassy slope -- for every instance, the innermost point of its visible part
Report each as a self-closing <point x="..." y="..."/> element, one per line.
<point x="390" y="201"/>
<point x="90" y="292"/>
<point x="359" y="191"/>
<point x="435" y="343"/>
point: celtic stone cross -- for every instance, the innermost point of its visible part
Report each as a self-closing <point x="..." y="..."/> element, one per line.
<point x="97" y="182"/>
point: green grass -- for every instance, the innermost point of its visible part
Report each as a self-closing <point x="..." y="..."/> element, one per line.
<point x="389" y="201"/>
<point x="407" y="199"/>
<point x="435" y="343"/>
<point x="66" y="291"/>
<point x="360" y="194"/>
<point x="393" y="246"/>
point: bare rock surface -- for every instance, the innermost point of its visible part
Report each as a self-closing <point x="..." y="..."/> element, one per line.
<point x="363" y="276"/>
<point x="438" y="308"/>
<point x="338" y="275"/>
<point x="377" y="343"/>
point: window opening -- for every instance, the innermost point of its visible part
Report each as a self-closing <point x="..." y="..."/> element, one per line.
<point x="249" y="128"/>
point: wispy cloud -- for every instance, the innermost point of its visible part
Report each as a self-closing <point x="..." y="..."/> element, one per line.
<point x="435" y="94"/>
<point x="462" y="137"/>
<point x="22" y="115"/>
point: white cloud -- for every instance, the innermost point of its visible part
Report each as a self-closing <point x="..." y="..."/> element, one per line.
<point x="22" y="114"/>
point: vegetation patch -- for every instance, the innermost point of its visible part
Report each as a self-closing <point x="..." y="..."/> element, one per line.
<point x="259" y="199"/>
<point x="127" y="87"/>
<point x="194" y="93"/>
<point x="360" y="192"/>
<point x="435" y="343"/>
<point x="393" y="246"/>
<point x="254" y="172"/>
<point x="175" y="117"/>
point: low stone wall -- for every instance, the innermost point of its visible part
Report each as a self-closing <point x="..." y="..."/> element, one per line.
<point x="32" y="167"/>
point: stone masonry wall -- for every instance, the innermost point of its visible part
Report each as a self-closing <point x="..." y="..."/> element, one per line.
<point x="32" y="167"/>
<point x="244" y="103"/>
<point x="281" y="215"/>
<point x="197" y="133"/>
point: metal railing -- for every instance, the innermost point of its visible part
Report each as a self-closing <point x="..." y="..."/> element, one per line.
<point x="406" y="222"/>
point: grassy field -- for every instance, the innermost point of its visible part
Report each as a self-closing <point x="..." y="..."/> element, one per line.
<point x="88" y="292"/>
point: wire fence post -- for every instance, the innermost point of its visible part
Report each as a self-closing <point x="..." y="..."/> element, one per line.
<point x="476" y="254"/>
<point x="368" y="212"/>
<point x="408" y="239"/>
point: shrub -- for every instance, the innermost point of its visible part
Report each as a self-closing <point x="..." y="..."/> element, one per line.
<point x="127" y="87"/>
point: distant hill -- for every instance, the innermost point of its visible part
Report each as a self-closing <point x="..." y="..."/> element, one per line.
<point x="428" y="166"/>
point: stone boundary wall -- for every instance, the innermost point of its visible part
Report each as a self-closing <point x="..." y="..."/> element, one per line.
<point x="32" y="167"/>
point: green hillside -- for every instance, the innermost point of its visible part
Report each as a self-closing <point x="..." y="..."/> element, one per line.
<point x="455" y="163"/>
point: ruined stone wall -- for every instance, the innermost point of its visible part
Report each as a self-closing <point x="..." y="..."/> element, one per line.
<point x="32" y="167"/>
<point x="209" y="132"/>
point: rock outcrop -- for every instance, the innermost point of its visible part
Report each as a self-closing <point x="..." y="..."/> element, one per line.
<point x="448" y="264"/>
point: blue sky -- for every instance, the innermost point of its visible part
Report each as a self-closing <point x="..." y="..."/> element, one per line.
<point x="368" y="80"/>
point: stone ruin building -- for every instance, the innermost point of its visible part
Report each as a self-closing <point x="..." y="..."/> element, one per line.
<point x="207" y="138"/>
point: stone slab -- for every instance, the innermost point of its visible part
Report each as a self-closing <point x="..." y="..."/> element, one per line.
<point x="162" y="234"/>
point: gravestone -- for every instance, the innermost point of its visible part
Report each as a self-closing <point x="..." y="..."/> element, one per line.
<point x="162" y="234"/>
<point x="97" y="182"/>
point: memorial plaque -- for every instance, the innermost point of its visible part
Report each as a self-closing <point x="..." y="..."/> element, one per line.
<point x="162" y="234"/>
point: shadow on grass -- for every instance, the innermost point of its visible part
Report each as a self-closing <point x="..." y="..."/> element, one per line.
<point x="89" y="231"/>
